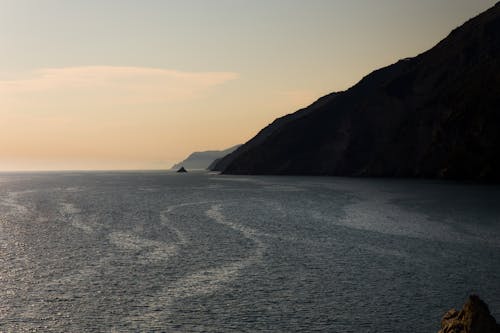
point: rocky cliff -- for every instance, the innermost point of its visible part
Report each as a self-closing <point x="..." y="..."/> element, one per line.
<point x="436" y="115"/>
<point x="474" y="317"/>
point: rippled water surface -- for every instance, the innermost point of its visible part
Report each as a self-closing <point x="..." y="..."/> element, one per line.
<point x="153" y="252"/>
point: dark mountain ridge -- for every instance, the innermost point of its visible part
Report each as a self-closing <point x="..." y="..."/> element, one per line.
<point x="275" y="127"/>
<point x="436" y="115"/>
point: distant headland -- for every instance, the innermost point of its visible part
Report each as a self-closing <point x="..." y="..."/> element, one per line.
<point x="202" y="160"/>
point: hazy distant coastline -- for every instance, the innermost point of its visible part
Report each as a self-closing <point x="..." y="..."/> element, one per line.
<point x="203" y="159"/>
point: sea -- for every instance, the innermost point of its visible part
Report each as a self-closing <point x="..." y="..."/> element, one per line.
<point x="153" y="251"/>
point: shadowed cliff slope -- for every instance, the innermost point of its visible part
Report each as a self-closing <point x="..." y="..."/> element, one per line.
<point x="271" y="130"/>
<point x="436" y="115"/>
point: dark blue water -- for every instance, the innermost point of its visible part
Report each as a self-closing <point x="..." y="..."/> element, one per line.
<point x="152" y="252"/>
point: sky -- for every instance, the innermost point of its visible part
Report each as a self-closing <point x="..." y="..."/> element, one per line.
<point x="121" y="84"/>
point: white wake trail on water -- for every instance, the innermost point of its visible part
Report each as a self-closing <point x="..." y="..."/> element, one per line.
<point x="165" y="218"/>
<point x="11" y="200"/>
<point x="72" y="214"/>
<point x="203" y="282"/>
<point x="144" y="251"/>
<point x="147" y="251"/>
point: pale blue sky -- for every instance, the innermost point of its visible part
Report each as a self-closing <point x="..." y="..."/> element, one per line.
<point x="265" y="57"/>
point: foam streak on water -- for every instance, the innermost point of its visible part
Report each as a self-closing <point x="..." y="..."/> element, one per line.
<point x="203" y="282"/>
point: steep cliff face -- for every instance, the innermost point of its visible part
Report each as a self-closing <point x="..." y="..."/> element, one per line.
<point x="474" y="317"/>
<point x="436" y="115"/>
<point x="269" y="131"/>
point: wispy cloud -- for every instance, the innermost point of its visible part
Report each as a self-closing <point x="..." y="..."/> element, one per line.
<point x="109" y="84"/>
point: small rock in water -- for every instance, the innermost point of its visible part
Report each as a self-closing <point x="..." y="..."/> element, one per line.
<point x="182" y="169"/>
<point x="474" y="317"/>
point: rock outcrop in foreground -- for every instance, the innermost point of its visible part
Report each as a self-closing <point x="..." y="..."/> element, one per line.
<point x="474" y="317"/>
<point x="436" y="115"/>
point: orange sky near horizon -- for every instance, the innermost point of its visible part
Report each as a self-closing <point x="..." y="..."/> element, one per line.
<point x="119" y="117"/>
<point x="147" y="83"/>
